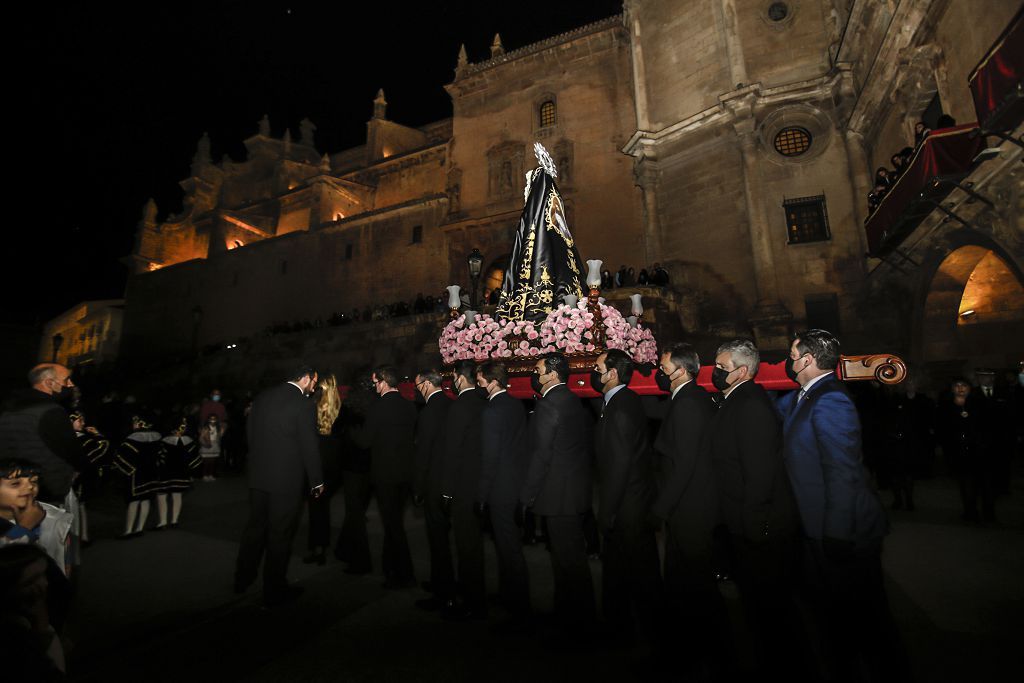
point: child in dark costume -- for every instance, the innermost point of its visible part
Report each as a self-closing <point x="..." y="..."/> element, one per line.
<point x="94" y="457"/>
<point x="180" y="460"/>
<point x="138" y="458"/>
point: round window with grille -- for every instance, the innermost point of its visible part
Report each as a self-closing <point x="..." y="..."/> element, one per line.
<point x="792" y="142"/>
<point x="778" y="11"/>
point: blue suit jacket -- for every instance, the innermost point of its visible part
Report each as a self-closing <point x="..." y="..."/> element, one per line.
<point x="822" y="452"/>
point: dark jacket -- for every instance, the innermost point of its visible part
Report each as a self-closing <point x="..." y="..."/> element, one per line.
<point x="463" y="447"/>
<point x="284" y="451"/>
<point x="504" y="459"/>
<point x="687" y="492"/>
<point x="745" y="438"/>
<point x="430" y="445"/>
<point x="558" y="478"/>
<point x="389" y="433"/>
<point x="34" y="427"/>
<point x="623" y="450"/>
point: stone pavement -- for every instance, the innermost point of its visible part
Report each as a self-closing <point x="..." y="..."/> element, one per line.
<point x="161" y="607"/>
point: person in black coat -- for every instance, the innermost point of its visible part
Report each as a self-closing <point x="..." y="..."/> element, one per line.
<point x="558" y="487"/>
<point x="504" y="460"/>
<point x="965" y="434"/>
<point x="283" y="456"/>
<point x="353" y="544"/>
<point x="631" y="579"/>
<point x="756" y="504"/>
<point x="389" y="433"/>
<point x="428" y="487"/>
<point x="461" y="491"/>
<point x="687" y="502"/>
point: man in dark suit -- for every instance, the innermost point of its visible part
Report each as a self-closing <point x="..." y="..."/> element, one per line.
<point x="557" y="485"/>
<point x="630" y="579"/>
<point x="504" y="460"/>
<point x="462" y="489"/>
<point x="687" y="501"/>
<point x="842" y="518"/>
<point x="284" y="454"/>
<point x="756" y="505"/>
<point x="389" y="433"/>
<point x="429" y="486"/>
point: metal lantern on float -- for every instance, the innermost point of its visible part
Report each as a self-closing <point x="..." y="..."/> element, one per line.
<point x="475" y="261"/>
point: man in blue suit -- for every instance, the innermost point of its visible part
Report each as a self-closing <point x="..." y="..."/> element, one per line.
<point x="842" y="518"/>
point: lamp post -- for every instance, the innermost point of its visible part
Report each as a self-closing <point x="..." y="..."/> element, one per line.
<point x="58" y="341"/>
<point x="475" y="260"/>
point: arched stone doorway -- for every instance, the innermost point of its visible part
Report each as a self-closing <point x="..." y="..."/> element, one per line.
<point x="973" y="313"/>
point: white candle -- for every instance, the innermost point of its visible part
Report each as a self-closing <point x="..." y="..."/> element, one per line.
<point x="594" y="273"/>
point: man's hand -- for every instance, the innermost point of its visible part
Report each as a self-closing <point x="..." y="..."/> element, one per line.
<point x="317" y="490"/>
<point x="92" y="430"/>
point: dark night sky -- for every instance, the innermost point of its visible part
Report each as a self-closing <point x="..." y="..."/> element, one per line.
<point x="113" y="101"/>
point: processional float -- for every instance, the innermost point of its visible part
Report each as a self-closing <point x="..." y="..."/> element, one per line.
<point x="544" y="308"/>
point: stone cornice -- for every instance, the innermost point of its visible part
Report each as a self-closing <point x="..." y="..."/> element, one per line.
<point x="395" y="163"/>
<point x="732" y="107"/>
<point x="587" y="29"/>
<point x="349" y="220"/>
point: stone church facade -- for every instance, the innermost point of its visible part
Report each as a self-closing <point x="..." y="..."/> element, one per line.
<point x="734" y="141"/>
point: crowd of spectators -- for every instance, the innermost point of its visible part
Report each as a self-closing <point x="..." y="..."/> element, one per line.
<point x="655" y="276"/>
<point x="886" y="178"/>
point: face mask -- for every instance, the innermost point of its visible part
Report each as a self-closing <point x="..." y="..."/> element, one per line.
<point x="663" y="381"/>
<point x="535" y="383"/>
<point x="720" y="378"/>
<point x="64" y="394"/>
<point x="790" y="370"/>
<point x="595" y="381"/>
<point x="216" y="397"/>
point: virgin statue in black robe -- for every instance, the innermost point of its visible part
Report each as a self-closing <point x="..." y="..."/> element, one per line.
<point x="545" y="265"/>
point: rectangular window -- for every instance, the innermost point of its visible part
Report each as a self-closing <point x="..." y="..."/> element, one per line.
<point x="417" y="234"/>
<point x="348" y="252"/>
<point x="806" y="219"/>
<point x="822" y="312"/>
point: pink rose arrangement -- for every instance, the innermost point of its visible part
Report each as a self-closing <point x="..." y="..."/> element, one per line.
<point x="567" y="329"/>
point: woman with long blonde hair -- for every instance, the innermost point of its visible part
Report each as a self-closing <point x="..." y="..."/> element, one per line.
<point x="327" y="407"/>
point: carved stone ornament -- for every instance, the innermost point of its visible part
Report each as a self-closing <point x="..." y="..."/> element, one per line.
<point x="885" y="368"/>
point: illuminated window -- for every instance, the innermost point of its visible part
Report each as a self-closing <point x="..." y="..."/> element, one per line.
<point x="792" y="142"/>
<point x="547" y="114"/>
<point x="806" y="219"/>
<point x="417" y="234"/>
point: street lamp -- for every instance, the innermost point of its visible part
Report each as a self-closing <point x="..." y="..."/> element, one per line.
<point x="58" y="341"/>
<point x="475" y="260"/>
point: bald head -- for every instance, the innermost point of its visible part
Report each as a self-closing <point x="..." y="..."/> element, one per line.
<point x="50" y="378"/>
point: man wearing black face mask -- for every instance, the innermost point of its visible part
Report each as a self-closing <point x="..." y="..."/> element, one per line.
<point x="557" y="486"/>
<point x="687" y="501"/>
<point x="756" y="503"/>
<point x="35" y="427"/>
<point x="623" y="451"/>
<point x="463" y="450"/>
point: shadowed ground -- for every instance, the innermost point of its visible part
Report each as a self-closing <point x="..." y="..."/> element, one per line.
<point x="160" y="607"/>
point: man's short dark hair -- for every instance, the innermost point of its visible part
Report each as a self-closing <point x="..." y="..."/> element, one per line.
<point x="388" y="373"/>
<point x="683" y="355"/>
<point x="299" y="372"/>
<point x="556" y="363"/>
<point x="432" y="375"/>
<point x="465" y="368"/>
<point x="619" y="361"/>
<point x="494" y="371"/>
<point x="17" y="467"/>
<point x="821" y="344"/>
